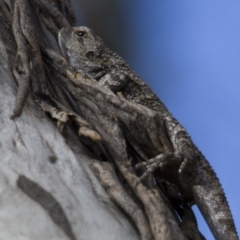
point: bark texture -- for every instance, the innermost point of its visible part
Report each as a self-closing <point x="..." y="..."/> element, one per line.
<point x="32" y="146"/>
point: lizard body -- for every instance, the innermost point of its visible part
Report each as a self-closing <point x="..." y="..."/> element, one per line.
<point x="196" y="179"/>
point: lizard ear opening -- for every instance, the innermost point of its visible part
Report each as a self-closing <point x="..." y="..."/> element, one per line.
<point x="90" y="54"/>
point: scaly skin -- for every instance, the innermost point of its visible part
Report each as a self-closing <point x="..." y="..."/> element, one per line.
<point x="196" y="179"/>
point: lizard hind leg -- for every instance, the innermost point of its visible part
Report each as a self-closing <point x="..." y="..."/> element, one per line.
<point x="171" y="166"/>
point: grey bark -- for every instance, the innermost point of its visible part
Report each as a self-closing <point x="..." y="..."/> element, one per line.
<point x="32" y="146"/>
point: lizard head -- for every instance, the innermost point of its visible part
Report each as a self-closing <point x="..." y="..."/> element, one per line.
<point x="81" y="47"/>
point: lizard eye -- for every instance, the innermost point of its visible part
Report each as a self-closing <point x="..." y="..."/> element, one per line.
<point x="80" y="33"/>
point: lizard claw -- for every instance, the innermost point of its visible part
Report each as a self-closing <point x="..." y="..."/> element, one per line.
<point x="183" y="165"/>
<point x="160" y="161"/>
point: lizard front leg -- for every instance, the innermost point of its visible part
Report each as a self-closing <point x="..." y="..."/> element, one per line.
<point x="115" y="80"/>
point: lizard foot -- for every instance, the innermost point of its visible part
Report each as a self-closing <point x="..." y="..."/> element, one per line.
<point x="172" y="160"/>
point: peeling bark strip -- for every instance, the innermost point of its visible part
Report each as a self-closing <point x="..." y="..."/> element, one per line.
<point x="28" y="67"/>
<point x="106" y="174"/>
<point x="28" y="61"/>
<point x="48" y="202"/>
<point x="21" y="68"/>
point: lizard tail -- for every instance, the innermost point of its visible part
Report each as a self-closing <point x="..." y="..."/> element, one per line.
<point x="211" y="200"/>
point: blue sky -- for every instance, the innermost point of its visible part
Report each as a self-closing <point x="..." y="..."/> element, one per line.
<point x="189" y="53"/>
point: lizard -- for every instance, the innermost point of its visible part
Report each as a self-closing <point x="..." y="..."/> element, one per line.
<point x="194" y="177"/>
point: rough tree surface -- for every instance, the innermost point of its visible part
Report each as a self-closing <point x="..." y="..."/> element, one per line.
<point x="32" y="146"/>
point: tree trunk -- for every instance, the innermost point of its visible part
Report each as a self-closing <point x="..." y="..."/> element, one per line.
<point x="37" y="162"/>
